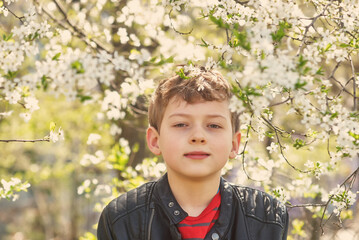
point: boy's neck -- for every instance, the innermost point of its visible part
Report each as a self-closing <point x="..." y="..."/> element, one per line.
<point x="193" y="195"/>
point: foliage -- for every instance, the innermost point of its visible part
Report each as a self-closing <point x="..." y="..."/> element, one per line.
<point x="293" y="66"/>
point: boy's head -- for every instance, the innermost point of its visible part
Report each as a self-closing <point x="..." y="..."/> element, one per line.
<point x="195" y="84"/>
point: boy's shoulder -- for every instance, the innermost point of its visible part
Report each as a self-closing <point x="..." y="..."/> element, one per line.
<point x="261" y="205"/>
<point x="129" y="202"/>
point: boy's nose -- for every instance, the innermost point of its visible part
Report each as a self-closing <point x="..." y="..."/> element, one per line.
<point x="196" y="139"/>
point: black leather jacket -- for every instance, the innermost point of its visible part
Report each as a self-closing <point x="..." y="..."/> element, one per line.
<point x="151" y="212"/>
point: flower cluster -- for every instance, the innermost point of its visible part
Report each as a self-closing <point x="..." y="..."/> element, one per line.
<point x="341" y="199"/>
<point x="95" y="159"/>
<point x="281" y="194"/>
<point x="92" y="185"/>
<point x="10" y="188"/>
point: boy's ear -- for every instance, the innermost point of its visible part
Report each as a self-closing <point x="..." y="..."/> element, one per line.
<point x="235" y="144"/>
<point x="152" y="138"/>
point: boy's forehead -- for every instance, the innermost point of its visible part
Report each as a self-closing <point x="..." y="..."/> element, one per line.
<point x="177" y="104"/>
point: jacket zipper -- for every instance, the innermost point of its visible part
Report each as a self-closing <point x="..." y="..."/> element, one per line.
<point x="152" y="207"/>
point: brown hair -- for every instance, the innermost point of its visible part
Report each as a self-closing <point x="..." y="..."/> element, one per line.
<point x="193" y="84"/>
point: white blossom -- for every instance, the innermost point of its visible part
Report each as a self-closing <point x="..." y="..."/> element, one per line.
<point x="31" y="103"/>
<point x="341" y="199"/>
<point x="10" y="188"/>
<point x="93" y="138"/>
<point x="115" y="130"/>
<point x="26" y="116"/>
<point x="273" y="148"/>
<point x="281" y="194"/>
<point x="56" y="136"/>
<point x="122" y="32"/>
<point x="13" y="97"/>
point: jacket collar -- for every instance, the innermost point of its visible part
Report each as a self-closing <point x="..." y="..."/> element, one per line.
<point x="177" y="214"/>
<point x="227" y="210"/>
<point x="168" y="201"/>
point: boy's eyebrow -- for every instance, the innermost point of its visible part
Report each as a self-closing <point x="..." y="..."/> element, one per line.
<point x="189" y="115"/>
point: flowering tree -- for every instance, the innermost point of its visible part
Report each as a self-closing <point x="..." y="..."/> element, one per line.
<point x="293" y="66"/>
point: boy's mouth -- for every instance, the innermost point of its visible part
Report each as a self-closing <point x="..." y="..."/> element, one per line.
<point x="196" y="155"/>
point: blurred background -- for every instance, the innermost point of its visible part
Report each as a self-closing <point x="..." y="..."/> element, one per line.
<point x="93" y="66"/>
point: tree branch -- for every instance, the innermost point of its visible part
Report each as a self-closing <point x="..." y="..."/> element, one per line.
<point x="12" y="13"/>
<point x="351" y="178"/>
<point x="182" y="33"/>
<point x="343" y="88"/>
<point x="73" y="28"/>
<point x="243" y="152"/>
<point x="285" y="158"/>
<point x="289" y="205"/>
<point x="354" y="83"/>
<point x="309" y="26"/>
<point x="279" y="103"/>
<point x="24" y="140"/>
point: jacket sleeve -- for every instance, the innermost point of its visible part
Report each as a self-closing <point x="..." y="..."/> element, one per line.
<point x="104" y="229"/>
<point x="285" y="232"/>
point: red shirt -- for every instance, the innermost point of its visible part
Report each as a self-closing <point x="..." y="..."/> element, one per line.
<point x="198" y="227"/>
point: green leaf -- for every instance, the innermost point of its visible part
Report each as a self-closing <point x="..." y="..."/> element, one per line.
<point x="280" y="33"/>
<point x="299" y="143"/>
<point x="77" y="65"/>
<point x="181" y="74"/>
<point x="240" y="39"/>
<point x="135" y="148"/>
<point x="205" y="44"/>
<point x="44" y="82"/>
<point x="298" y="228"/>
<point x="56" y="57"/>
<point x="320" y="71"/>
<point x="83" y="98"/>
<point x="52" y="126"/>
<point x="10" y="75"/>
<point x="165" y="60"/>
<point x="162" y="61"/>
<point x="327" y="47"/>
<point x="302" y="62"/>
<point x="300" y="85"/>
<point x="118" y="158"/>
<point x="334" y="115"/>
<point x="344" y="45"/>
<point x="269" y="134"/>
<point x="88" y="236"/>
<point x="218" y="21"/>
<point x="8" y="37"/>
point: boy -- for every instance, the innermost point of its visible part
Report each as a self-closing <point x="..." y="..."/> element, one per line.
<point x="194" y="131"/>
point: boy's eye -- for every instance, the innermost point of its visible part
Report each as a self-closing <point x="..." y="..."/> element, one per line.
<point x="180" y="125"/>
<point x="214" y="126"/>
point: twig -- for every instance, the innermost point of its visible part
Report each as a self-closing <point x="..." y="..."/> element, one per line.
<point x="351" y="178"/>
<point x="338" y="82"/>
<point x="227" y="36"/>
<point x="328" y="145"/>
<point x="279" y="103"/>
<point x="182" y="33"/>
<point x="24" y="140"/>
<point x="343" y="87"/>
<point x="73" y="29"/>
<point x="335" y="69"/>
<point x="282" y="153"/>
<point x="354" y="83"/>
<point x="243" y="152"/>
<point x="20" y="18"/>
<point x="306" y="205"/>
<point x="309" y="26"/>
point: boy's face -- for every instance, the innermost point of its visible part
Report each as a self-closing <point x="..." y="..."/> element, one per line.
<point x="196" y="139"/>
